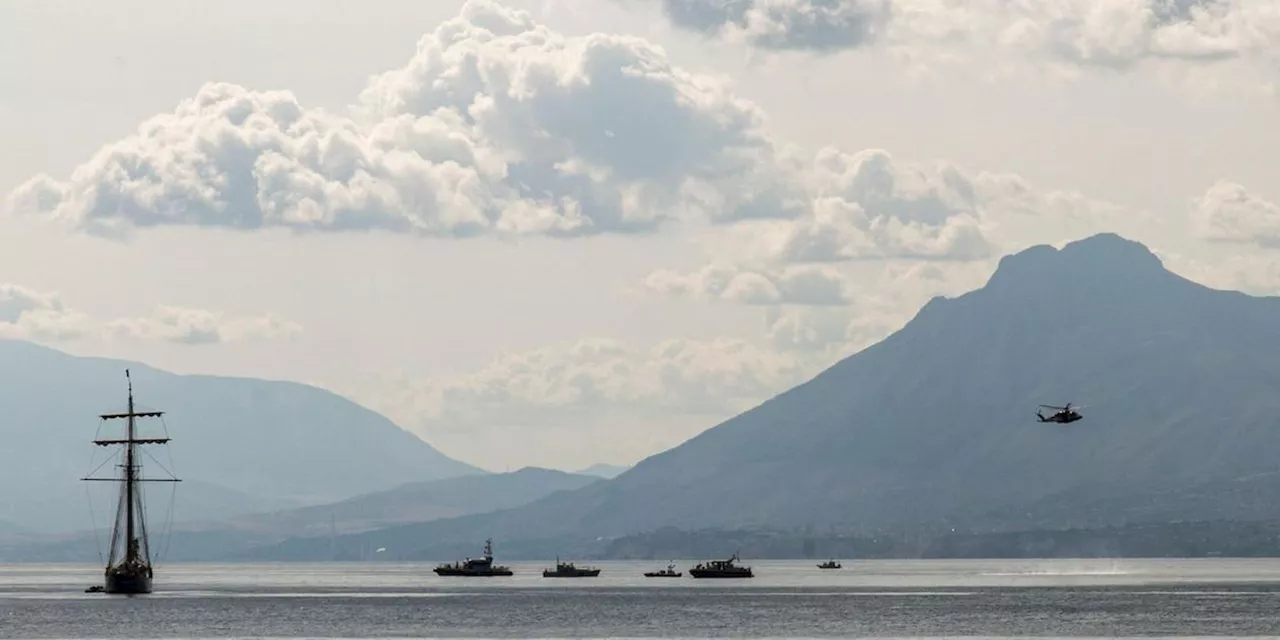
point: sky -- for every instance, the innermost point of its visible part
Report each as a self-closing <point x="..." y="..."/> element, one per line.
<point x="563" y="232"/>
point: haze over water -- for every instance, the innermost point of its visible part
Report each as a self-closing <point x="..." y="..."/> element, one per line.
<point x="909" y="598"/>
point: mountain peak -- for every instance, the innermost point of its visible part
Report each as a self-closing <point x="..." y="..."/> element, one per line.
<point x="1122" y="251"/>
<point x="1087" y="259"/>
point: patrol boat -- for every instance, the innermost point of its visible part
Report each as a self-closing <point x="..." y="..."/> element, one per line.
<point x="721" y="569"/>
<point x="475" y="567"/>
<point x="569" y="570"/>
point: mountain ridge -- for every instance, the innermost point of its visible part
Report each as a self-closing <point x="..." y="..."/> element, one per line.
<point x="235" y="538"/>
<point x="934" y="425"/>
<point x="602" y="470"/>
<point x="413" y="502"/>
<point x="282" y="443"/>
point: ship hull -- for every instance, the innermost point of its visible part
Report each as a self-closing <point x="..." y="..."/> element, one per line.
<point x="720" y="574"/>
<point x="587" y="573"/>
<point x="663" y="575"/>
<point x="463" y="573"/>
<point x="127" y="583"/>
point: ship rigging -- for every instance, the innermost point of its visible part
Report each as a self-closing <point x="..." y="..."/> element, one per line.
<point x="128" y="569"/>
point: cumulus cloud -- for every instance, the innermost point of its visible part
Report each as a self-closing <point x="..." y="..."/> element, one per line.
<point x="809" y="330"/>
<point x="496" y="125"/>
<point x="26" y="313"/>
<point x="1252" y="273"/>
<point x="885" y="299"/>
<point x="864" y="206"/>
<point x="1227" y="212"/>
<point x="500" y="125"/>
<point x="870" y="208"/>
<point x="797" y="286"/>
<point x="666" y="391"/>
<point x="537" y="388"/>
<point x="199" y="326"/>
<point x="29" y="314"/>
<point x="1113" y="34"/>
<point x="809" y="25"/>
<point x="580" y="395"/>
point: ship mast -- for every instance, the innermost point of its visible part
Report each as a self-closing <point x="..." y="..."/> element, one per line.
<point x="130" y="476"/>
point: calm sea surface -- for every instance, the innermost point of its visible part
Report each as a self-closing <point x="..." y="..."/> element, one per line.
<point x="909" y="598"/>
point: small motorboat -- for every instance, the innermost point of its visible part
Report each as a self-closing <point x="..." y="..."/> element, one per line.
<point x="669" y="572"/>
<point x="830" y="564"/>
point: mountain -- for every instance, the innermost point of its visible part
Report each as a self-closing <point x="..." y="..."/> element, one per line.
<point x="64" y="505"/>
<point x="233" y="538"/>
<point x="413" y="502"/>
<point x="239" y="444"/>
<point x="934" y="426"/>
<point x="10" y="529"/>
<point x="603" y="470"/>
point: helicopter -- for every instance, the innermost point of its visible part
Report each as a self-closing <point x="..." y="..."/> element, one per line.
<point x="1063" y="415"/>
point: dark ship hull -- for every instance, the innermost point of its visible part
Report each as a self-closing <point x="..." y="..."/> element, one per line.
<point x="127" y="583"/>
<point x="471" y="573"/>
<point x="662" y="574"/>
<point x="721" y="573"/>
<point x="574" y="573"/>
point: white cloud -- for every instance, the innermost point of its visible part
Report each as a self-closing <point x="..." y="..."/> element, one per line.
<point x="1229" y="213"/>
<point x="539" y="388"/>
<point x="25" y="313"/>
<point x="496" y="125"/>
<point x="1253" y="273"/>
<point x="1080" y="34"/>
<point x="811" y="25"/>
<point x="198" y="326"/>
<point x="798" y="286"/>
<point x="865" y="206"/>
<point x="594" y="389"/>
<point x="29" y="314"/>
<point x="814" y="330"/>
<point x="872" y="210"/>
<point x="499" y="125"/>
<point x="598" y="398"/>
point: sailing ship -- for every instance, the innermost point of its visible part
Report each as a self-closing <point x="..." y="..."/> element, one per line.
<point x="128" y="569"/>
<point x="721" y="569"/>
<point x="473" y="567"/>
<point x="569" y="570"/>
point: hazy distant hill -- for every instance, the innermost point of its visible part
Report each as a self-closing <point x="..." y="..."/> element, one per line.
<point x="239" y="444"/>
<point x="935" y="425"/>
<point x="8" y="528"/>
<point x="232" y="539"/>
<point x="413" y="502"/>
<point x="603" y="470"/>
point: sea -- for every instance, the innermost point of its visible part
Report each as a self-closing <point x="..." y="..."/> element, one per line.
<point x="1086" y="598"/>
